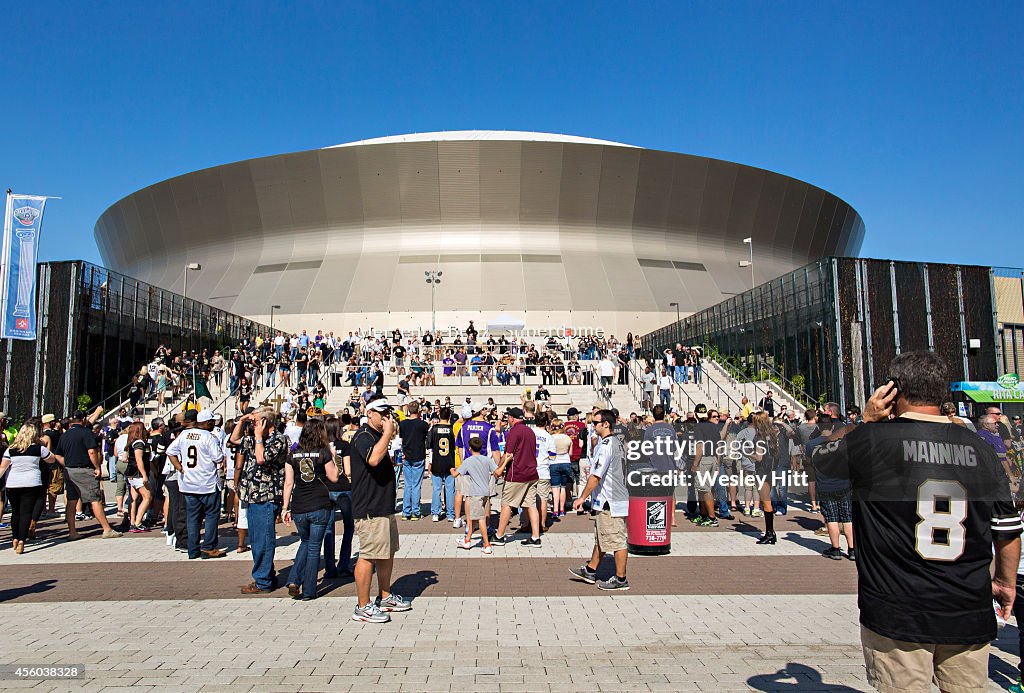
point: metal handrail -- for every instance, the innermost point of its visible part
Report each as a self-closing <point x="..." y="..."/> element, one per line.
<point x="792" y="390"/>
<point x="708" y="380"/>
<point x="739" y="380"/>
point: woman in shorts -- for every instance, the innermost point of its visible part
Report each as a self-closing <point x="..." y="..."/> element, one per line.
<point x="137" y="473"/>
<point x="561" y="467"/>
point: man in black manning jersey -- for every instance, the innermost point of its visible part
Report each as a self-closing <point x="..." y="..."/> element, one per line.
<point x="930" y="502"/>
<point x="442" y="460"/>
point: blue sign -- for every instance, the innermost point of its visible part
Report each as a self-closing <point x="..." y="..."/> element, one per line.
<point x="23" y="222"/>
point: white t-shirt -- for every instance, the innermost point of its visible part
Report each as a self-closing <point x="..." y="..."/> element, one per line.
<point x="607" y="368"/>
<point x="199" y="452"/>
<point x="121" y="448"/>
<point x="665" y="382"/>
<point x="24" y="470"/>
<point x="545" y="452"/>
<point x="279" y="340"/>
<point x="292" y="433"/>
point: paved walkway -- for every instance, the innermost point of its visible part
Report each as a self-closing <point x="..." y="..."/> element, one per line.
<point x="720" y="614"/>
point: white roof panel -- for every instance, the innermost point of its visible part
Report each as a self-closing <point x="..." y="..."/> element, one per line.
<point x="491" y="135"/>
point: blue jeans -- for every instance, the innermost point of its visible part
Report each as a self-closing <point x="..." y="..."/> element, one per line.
<point x="722" y="492"/>
<point x="666" y="399"/>
<point x="200" y="507"/>
<point x="697" y="369"/>
<point x="311" y="527"/>
<point x="343" y="502"/>
<point x="263" y="542"/>
<point x="233" y="385"/>
<point x="271" y="376"/>
<point x="448" y="483"/>
<point x="413" y="471"/>
<point x="278" y="350"/>
<point x="780" y="491"/>
<point x="680" y="374"/>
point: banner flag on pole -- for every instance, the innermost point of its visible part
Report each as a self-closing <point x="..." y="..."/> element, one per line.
<point x="23" y="220"/>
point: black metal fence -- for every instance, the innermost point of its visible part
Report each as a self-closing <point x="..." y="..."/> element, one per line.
<point x="96" y="328"/>
<point x="833" y="326"/>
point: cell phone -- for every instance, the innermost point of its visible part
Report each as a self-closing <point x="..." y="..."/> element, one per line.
<point x="896" y="385"/>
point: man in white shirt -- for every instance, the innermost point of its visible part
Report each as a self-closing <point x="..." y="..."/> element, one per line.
<point x="611" y="501"/>
<point x="198" y="457"/>
<point x="278" y="345"/>
<point x="665" y="388"/>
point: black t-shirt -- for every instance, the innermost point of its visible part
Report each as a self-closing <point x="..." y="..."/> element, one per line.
<point x="929" y="499"/>
<point x="54" y="435"/>
<point x="542" y="395"/>
<point x="133" y="465"/>
<point x="399" y="352"/>
<point x="309" y="492"/>
<point x="75" y="445"/>
<point x="706" y="436"/>
<point x="341" y="447"/>
<point x="373" y="488"/>
<point x="158" y="443"/>
<point x="414" y="438"/>
<point x="442" y="448"/>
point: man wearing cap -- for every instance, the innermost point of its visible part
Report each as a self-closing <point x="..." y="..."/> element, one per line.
<point x="77" y="452"/>
<point x="198" y="457"/>
<point x="520" y="490"/>
<point x="373" y="507"/>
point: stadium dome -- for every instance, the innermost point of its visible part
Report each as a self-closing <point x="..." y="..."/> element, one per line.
<point x="555" y="230"/>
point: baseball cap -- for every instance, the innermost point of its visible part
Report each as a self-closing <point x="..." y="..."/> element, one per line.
<point x="514" y="412"/>
<point x="48" y="418"/>
<point x="573" y="411"/>
<point x="381" y="405"/>
<point x="701" y="411"/>
<point x="204" y="416"/>
<point x="191" y="415"/>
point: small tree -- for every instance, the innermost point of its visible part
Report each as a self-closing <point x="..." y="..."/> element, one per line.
<point x="83" y="401"/>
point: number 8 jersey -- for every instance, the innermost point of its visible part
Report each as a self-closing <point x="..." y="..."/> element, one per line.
<point x="929" y="498"/>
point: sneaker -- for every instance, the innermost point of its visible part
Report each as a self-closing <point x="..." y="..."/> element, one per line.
<point x="584" y="573"/>
<point x="533" y="543"/>
<point x="464" y="543"/>
<point x="394" y="602"/>
<point x="852" y="554"/>
<point x="834" y="552"/>
<point x="458" y="523"/>
<point x="614" y="583"/>
<point x="111" y="534"/>
<point x="499" y="541"/>
<point x="78" y="516"/>
<point x="757" y="512"/>
<point x="488" y="550"/>
<point x="414" y="518"/>
<point x="436" y="518"/>
<point x="370" y="614"/>
<point x="180" y="549"/>
<point x="713" y="522"/>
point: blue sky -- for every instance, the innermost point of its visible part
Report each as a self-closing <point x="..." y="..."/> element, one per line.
<point x="912" y="112"/>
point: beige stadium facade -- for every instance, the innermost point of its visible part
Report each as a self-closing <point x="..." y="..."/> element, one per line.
<point x="551" y="231"/>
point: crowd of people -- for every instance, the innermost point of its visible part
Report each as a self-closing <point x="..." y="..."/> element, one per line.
<point x="186" y="473"/>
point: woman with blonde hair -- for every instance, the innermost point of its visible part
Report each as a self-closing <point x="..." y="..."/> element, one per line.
<point x="137" y="472"/>
<point x="24" y="457"/>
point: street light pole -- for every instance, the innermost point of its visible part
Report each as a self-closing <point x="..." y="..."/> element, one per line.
<point x="194" y="266"/>
<point x="433" y="278"/>
<point x="679" y="326"/>
<point x="750" y="242"/>
<point x="272" y="307"/>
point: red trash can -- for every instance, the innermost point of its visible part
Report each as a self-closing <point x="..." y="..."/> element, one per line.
<point x="649" y="524"/>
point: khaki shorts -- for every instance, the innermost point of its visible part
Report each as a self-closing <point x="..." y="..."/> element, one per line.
<point x="476" y="507"/>
<point x="895" y="666"/>
<point x="378" y="537"/>
<point x="519" y="494"/>
<point x="609" y="532"/>
<point x="461" y="484"/>
<point x="56" y="486"/>
<point x="543" y="489"/>
<point x="82" y="484"/>
<point x="705" y="468"/>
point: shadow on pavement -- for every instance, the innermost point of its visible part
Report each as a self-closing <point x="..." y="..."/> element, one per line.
<point x="14" y="593"/>
<point x="414" y="585"/>
<point x="804" y="679"/>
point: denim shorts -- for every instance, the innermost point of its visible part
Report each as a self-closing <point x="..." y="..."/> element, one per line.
<point x="561" y="475"/>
